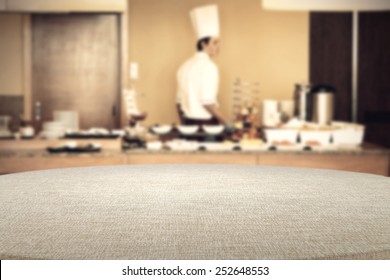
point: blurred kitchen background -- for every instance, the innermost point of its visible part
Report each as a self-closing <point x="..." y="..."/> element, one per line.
<point x="75" y="61"/>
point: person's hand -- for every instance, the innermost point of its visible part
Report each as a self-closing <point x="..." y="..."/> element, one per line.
<point x="229" y="128"/>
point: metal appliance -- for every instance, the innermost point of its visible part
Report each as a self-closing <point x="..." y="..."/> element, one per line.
<point x="322" y="104"/>
<point x="4" y="127"/>
<point x="301" y="93"/>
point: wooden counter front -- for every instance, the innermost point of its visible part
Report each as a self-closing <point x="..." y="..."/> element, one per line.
<point x="369" y="159"/>
<point x="29" y="163"/>
<point x="374" y="164"/>
<point x="378" y="164"/>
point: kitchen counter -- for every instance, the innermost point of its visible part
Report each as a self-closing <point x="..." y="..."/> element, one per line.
<point x="368" y="159"/>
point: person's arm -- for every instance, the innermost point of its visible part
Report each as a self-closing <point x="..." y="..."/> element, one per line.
<point x="180" y="113"/>
<point x="213" y="110"/>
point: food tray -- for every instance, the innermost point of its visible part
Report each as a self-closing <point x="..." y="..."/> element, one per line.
<point x="81" y="149"/>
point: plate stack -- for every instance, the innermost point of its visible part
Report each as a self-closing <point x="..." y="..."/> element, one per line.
<point x="53" y="130"/>
<point x="70" y="119"/>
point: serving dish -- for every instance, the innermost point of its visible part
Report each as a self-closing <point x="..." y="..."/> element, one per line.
<point x="188" y="129"/>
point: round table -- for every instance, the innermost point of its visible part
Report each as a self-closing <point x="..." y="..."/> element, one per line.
<point x="194" y="212"/>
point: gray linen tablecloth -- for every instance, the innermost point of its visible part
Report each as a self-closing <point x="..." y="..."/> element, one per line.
<point x="194" y="212"/>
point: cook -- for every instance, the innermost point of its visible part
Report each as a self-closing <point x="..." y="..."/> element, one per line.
<point x="198" y="77"/>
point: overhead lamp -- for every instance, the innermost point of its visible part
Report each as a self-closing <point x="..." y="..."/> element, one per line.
<point x="335" y="6"/>
<point x="327" y="5"/>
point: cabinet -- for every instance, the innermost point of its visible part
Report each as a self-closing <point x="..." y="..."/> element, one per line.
<point x="76" y="66"/>
<point x="330" y="63"/>
<point x="66" y="5"/>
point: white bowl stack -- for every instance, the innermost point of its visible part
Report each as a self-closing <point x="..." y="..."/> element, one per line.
<point x="70" y="119"/>
<point x="53" y="130"/>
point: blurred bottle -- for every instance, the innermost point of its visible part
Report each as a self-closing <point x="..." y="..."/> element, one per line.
<point x="301" y="95"/>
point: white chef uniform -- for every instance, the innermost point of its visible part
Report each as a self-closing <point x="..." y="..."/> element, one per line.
<point x="198" y="82"/>
<point x="198" y="77"/>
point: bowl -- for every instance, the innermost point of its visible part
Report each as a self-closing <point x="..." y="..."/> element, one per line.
<point x="71" y="144"/>
<point x="213" y="129"/>
<point x="188" y="129"/>
<point x="182" y="145"/>
<point x="154" y="145"/>
<point x="161" y="129"/>
<point x="27" y="131"/>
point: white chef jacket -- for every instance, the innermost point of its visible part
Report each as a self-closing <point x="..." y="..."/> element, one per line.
<point x="198" y="81"/>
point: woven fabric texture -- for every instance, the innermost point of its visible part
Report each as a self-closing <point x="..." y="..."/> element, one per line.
<point x="194" y="212"/>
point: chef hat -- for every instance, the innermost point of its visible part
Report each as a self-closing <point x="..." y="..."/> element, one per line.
<point x="205" y="21"/>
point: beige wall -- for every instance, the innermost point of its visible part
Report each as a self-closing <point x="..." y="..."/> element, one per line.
<point x="11" y="54"/>
<point x="257" y="45"/>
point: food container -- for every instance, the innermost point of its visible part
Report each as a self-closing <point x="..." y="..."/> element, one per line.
<point x="188" y="129"/>
<point x="281" y="135"/>
<point x="218" y="146"/>
<point x="213" y="129"/>
<point x="348" y="134"/>
<point x="253" y="145"/>
<point x="183" y="145"/>
<point x="315" y="137"/>
<point x="154" y="145"/>
<point x="162" y="129"/>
